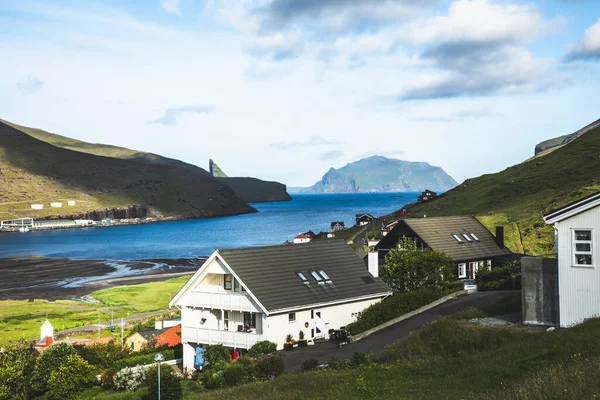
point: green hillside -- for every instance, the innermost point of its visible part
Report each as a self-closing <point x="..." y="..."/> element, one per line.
<point x="381" y="174"/>
<point x="33" y="171"/>
<point x="520" y="195"/>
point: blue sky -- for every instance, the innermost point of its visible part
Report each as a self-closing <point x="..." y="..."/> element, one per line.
<point x="285" y="89"/>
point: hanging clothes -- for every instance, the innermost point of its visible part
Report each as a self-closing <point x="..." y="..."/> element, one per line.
<point x="199" y="357"/>
<point x="235" y="355"/>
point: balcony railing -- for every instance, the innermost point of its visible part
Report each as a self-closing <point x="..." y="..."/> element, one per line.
<point x="241" y="340"/>
<point x="220" y="301"/>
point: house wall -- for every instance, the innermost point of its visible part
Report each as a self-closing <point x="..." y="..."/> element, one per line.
<point x="277" y="327"/>
<point x="539" y="283"/>
<point x="138" y="342"/>
<point x="579" y="287"/>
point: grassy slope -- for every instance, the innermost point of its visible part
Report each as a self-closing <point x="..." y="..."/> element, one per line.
<point x="33" y="171"/>
<point x="520" y="195"/>
<point x="20" y="318"/>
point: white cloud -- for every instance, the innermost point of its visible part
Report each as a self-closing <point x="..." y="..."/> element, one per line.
<point x="30" y="85"/>
<point x="589" y="46"/>
<point x="171" y="6"/>
<point x="171" y="114"/>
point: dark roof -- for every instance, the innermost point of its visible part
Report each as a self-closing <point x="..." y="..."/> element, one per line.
<point x="337" y="222"/>
<point x="364" y="215"/>
<point x="270" y="273"/>
<point x="572" y="206"/>
<point x="437" y="233"/>
<point x="150" y="333"/>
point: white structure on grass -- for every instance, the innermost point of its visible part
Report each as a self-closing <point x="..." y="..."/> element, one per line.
<point x="242" y="296"/>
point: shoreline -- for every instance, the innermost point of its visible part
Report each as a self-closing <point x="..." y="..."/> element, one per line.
<point x="33" y="277"/>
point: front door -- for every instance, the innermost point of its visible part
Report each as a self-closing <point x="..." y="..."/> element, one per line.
<point x="316" y="330"/>
<point x="473" y="266"/>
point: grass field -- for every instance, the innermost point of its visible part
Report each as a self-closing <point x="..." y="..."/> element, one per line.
<point x="22" y="319"/>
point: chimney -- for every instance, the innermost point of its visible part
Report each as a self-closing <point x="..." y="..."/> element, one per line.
<point x="48" y="340"/>
<point x="500" y="236"/>
<point x="374" y="263"/>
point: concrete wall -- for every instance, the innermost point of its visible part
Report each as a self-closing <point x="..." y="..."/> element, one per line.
<point x="579" y="285"/>
<point x="539" y="291"/>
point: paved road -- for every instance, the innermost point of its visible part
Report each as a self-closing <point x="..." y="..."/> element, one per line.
<point x="378" y="341"/>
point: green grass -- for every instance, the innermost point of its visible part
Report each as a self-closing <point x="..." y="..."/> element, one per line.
<point x="21" y="319"/>
<point x="520" y="195"/>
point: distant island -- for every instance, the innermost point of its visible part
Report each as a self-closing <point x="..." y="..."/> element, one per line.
<point x="251" y="190"/>
<point x="381" y="174"/>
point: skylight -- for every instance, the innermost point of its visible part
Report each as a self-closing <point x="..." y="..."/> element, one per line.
<point x="466" y="236"/>
<point x="301" y="275"/>
<point x="474" y="237"/>
<point x="324" y="275"/>
<point x="316" y="276"/>
<point x="458" y="239"/>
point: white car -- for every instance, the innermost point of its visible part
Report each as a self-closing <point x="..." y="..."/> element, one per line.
<point x="470" y="285"/>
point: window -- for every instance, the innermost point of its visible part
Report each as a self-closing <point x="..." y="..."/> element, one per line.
<point x="324" y="275"/>
<point x="316" y="276"/>
<point x="249" y="319"/>
<point x="466" y="236"/>
<point x="458" y="239"/>
<point x="462" y="270"/>
<point x="582" y="247"/>
<point x="292" y="317"/>
<point x="236" y="286"/>
<point x="474" y="237"/>
<point x="226" y="320"/>
<point x="301" y="275"/>
<point x="228" y="282"/>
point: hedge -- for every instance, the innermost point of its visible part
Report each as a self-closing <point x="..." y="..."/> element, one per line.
<point x="505" y="277"/>
<point x="144" y="359"/>
<point x="396" y="306"/>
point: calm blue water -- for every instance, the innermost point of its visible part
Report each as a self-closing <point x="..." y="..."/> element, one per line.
<point x="273" y="224"/>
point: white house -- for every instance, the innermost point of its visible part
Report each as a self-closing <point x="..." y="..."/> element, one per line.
<point x="56" y="204"/>
<point x="37" y="206"/>
<point x="242" y="296"/>
<point x="71" y="202"/>
<point x="576" y="228"/>
<point x="305" y="237"/>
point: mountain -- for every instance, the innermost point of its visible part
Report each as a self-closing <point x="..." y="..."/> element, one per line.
<point x="552" y="144"/>
<point x="519" y="196"/>
<point x="381" y="174"/>
<point x="251" y="190"/>
<point x="103" y="180"/>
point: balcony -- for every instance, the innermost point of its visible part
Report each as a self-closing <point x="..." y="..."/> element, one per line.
<point x="241" y="340"/>
<point x="220" y="301"/>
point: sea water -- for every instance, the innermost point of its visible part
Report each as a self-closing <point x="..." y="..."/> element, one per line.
<point x="273" y="224"/>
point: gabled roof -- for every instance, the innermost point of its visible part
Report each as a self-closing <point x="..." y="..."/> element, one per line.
<point x="437" y="234"/>
<point x="302" y="236"/>
<point x="573" y="208"/>
<point x="364" y="215"/>
<point x="270" y="273"/>
<point x="150" y="334"/>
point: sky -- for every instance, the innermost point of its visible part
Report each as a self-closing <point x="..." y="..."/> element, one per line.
<point x="285" y="89"/>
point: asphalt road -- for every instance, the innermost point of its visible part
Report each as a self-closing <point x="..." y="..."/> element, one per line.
<point x="378" y="341"/>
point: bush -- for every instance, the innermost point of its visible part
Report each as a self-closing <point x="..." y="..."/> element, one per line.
<point x="50" y="360"/>
<point x="128" y="379"/>
<point x="239" y="372"/>
<point x="310" y="365"/>
<point x="269" y="365"/>
<point x="72" y="376"/>
<point x="393" y="307"/>
<point x="170" y="383"/>
<point x="16" y="365"/>
<point x="504" y="277"/>
<point x="144" y="359"/>
<point x="336" y="363"/>
<point x="263" y="347"/>
<point x="215" y="353"/>
<point x="103" y="356"/>
<point x="358" y="359"/>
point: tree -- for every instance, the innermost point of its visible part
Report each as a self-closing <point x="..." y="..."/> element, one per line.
<point x="16" y="365"/>
<point x="406" y="268"/>
<point x="72" y="376"/>
<point x="170" y="383"/>
<point x="215" y="353"/>
<point x="50" y="360"/>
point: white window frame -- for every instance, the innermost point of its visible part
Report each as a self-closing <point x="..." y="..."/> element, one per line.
<point x="462" y="270"/>
<point x="574" y="251"/>
<point x="457" y="238"/>
<point x="292" y="317"/>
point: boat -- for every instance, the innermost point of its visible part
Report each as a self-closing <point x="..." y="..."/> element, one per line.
<point x="24" y="229"/>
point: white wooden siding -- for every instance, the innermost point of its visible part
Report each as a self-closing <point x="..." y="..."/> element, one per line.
<point x="579" y="287"/>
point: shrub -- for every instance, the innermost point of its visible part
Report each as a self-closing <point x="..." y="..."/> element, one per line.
<point x="301" y="335"/>
<point x="170" y="383"/>
<point x="50" y="360"/>
<point x="263" y="347"/>
<point x="72" y="376"/>
<point x="269" y="365"/>
<point x="336" y="363"/>
<point x="504" y="277"/>
<point x="144" y="359"/>
<point x="239" y="372"/>
<point x="16" y="366"/>
<point x="289" y="338"/>
<point x="393" y="307"/>
<point x="310" y="365"/>
<point x="358" y="359"/>
<point x="128" y="379"/>
<point x="213" y="380"/>
<point x="215" y="353"/>
<point x="103" y="355"/>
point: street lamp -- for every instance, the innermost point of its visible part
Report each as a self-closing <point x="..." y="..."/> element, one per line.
<point x="158" y="358"/>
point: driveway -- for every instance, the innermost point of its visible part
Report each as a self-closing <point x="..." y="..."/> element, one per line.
<point x="378" y="341"/>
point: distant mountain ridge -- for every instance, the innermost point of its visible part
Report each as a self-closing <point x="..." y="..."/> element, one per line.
<point x="382" y="174"/>
<point x="251" y="190"/>
<point x="41" y="167"/>
<point x="552" y="144"/>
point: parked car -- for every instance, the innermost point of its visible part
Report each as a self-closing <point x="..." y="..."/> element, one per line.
<point x="470" y="285"/>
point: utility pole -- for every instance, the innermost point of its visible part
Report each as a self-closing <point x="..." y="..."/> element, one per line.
<point x="112" y="317"/>
<point x="122" y="337"/>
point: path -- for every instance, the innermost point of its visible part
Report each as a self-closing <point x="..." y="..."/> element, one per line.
<point x="379" y="340"/>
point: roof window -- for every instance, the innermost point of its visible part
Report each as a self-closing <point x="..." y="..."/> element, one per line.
<point x="301" y="276"/>
<point x="474" y="237"/>
<point x="316" y="276"/>
<point x="466" y="236"/>
<point x="324" y="275"/>
<point x="458" y="239"/>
